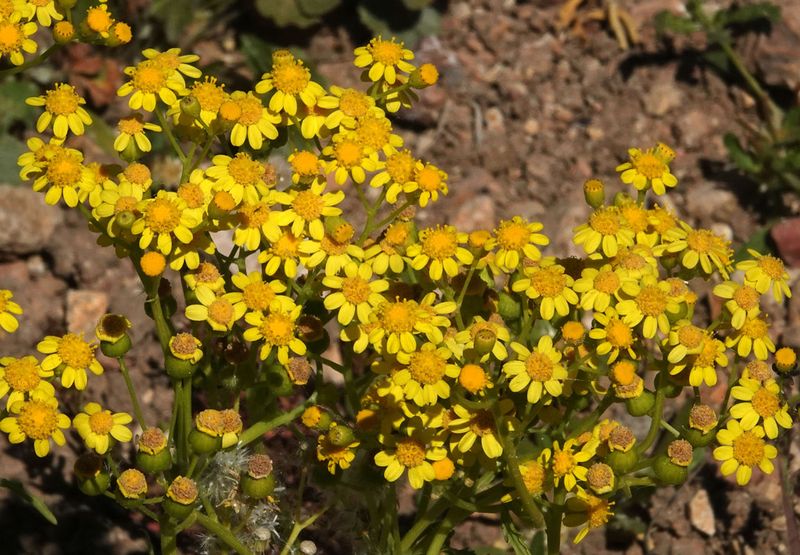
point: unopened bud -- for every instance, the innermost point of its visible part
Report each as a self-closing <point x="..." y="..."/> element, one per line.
<point x="594" y="193"/>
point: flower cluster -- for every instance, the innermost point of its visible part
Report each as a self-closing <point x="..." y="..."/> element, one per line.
<point x="473" y="364"/>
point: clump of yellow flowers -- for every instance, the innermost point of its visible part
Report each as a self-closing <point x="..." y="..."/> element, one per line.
<point x="491" y="376"/>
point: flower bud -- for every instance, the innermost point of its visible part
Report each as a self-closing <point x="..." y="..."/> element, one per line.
<point x="317" y="418"/>
<point x="785" y="360"/>
<point x="258" y="482"/>
<point x="132" y="484"/>
<point x="473" y="378"/>
<point x="484" y="341"/>
<point x="600" y="478"/>
<point x="181" y="497"/>
<point x="153" y="454"/>
<point x="279" y="382"/>
<point x="112" y="331"/>
<point x="120" y="33"/>
<point x="594" y="192"/>
<point x="340" y="436"/>
<point x="641" y="405"/>
<point x="443" y="469"/>
<point x="339" y="229"/>
<point x="669" y="473"/>
<point x="178" y="369"/>
<point x="424" y="76"/>
<point x="63" y="32"/>
<point x="622" y="462"/>
<point x="91" y="474"/>
<point x="299" y="370"/>
<point x="190" y="106"/>
<point x="680" y="452"/>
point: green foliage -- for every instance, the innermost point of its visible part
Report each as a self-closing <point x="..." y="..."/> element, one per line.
<point x="16" y="487"/>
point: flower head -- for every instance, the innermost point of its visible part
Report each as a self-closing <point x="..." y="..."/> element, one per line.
<point x="649" y="169"/>
<point x="97" y="426"/>
<point x="73" y="356"/>
<point x="38" y="419"/>
<point x="63" y="108"/>
<point x="741" y="450"/>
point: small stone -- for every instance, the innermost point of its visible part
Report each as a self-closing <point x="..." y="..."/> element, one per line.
<point x="663" y="97"/>
<point x="701" y="513"/>
<point x="786" y="235"/>
<point x="595" y="133"/>
<point x="531" y="126"/>
<point x="28" y="222"/>
<point x="494" y="120"/>
<point x="694" y="126"/>
<point x="476" y="213"/>
<point x="84" y="309"/>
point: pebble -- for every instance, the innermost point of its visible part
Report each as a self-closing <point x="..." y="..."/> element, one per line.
<point x="701" y="513"/>
<point x="786" y="235"/>
<point x="84" y="309"/>
<point x="662" y="97"/>
<point x="477" y="212"/>
<point x="26" y="222"/>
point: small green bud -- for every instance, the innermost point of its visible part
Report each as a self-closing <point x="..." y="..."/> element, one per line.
<point x="178" y="369"/>
<point x="641" y="405"/>
<point x="594" y="192"/>
<point x="484" y="341"/>
<point x="190" y="106"/>
<point x="154" y="463"/>
<point x="698" y="439"/>
<point x="279" y="381"/>
<point x="91" y="474"/>
<point x="668" y="472"/>
<point x="203" y="443"/>
<point x="622" y="462"/>
<point x="258" y="488"/>
<point x="341" y="436"/>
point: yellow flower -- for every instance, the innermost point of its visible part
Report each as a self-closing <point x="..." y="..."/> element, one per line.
<point x="205" y="275"/>
<point x="335" y="456"/>
<point x="587" y="509"/>
<point x="66" y="176"/>
<point x="99" y="20"/>
<point x="413" y="454"/>
<point x="616" y="335"/>
<point x="494" y="326"/>
<point x="396" y="323"/>
<point x="8" y="311"/>
<point x="469" y="426"/>
<point x="14" y="40"/>
<point x="23" y="376"/>
<point x="649" y="168"/>
<point x="423" y="378"/>
<point x="605" y="232"/>
<point x="308" y="206"/>
<point x="354" y="295"/>
<point x="349" y="158"/>
<point x="175" y="64"/>
<point x="439" y="249"/>
<point x="150" y="82"/>
<point x="210" y="96"/>
<point x="261" y="296"/>
<point x="219" y="311"/>
<point x="306" y="167"/>
<point x="538" y="371"/>
<point x="289" y="80"/>
<point x="685" y="339"/>
<point x="132" y="128"/>
<point x="255" y="221"/>
<point x="761" y="402"/>
<point x="742" y="304"/>
<point x="741" y="450"/>
<point x="278" y="330"/>
<point x="44" y="11"/>
<point x="765" y="272"/>
<point x="700" y="246"/>
<point x="116" y="199"/>
<point x="347" y="106"/>
<point x="97" y="426"/>
<point x="253" y="122"/>
<point x="650" y="306"/>
<point x="600" y="286"/>
<point x="163" y="217"/>
<point x="63" y="108"/>
<point x="241" y="176"/>
<point x="703" y="367"/>
<point x="387" y="253"/>
<point x="335" y="254"/>
<point x="374" y="131"/>
<point x="429" y="181"/>
<point x="185" y="346"/>
<point x="37" y="419"/>
<point x="74" y="355"/>
<point x="283" y="252"/>
<point x="398" y="172"/>
<point x="550" y="286"/>
<point x="753" y="336"/>
<point x="566" y="463"/>
<point x="383" y="58"/>
<point x="516" y="240"/>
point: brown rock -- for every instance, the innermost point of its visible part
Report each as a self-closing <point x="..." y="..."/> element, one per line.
<point x="477" y="212"/>
<point x="26" y="222"/>
<point x="84" y="309"/>
<point x="662" y="97"/>
<point x="701" y="513"/>
<point x="786" y="235"/>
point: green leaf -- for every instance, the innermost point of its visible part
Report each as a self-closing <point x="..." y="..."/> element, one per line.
<point x="758" y="241"/>
<point x="669" y="22"/>
<point x="513" y="537"/>
<point x="19" y="490"/>
<point x="10" y="150"/>
<point x="716" y="58"/>
<point x="739" y="156"/>
<point x="317" y="8"/>
<point x="752" y="13"/>
<point x="285" y="13"/>
<point x="12" y="103"/>
<point x="390" y="21"/>
<point x="257" y="53"/>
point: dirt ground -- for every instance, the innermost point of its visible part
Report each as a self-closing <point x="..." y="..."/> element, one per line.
<point x="523" y="115"/>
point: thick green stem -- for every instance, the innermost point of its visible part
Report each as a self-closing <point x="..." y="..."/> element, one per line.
<point x="512" y="464"/>
<point x="258" y="429"/>
<point x="169" y="537"/>
<point x="422" y="524"/>
<point x="554" y="514"/>
<point x="137" y="409"/>
<point x="454" y="516"/>
<point x="222" y="533"/>
<point x="299" y="527"/>
<point x="655" y="423"/>
<point x="170" y="136"/>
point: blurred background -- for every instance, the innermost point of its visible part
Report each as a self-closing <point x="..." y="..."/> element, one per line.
<point x="535" y="97"/>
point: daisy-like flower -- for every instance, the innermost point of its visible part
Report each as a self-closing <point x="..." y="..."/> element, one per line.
<point x="163" y="217"/>
<point x="306" y="166"/>
<point x="423" y="380"/>
<point x="346" y="105"/>
<point x="33" y="162"/>
<point x="97" y="426"/>
<point x="650" y="307"/>
<point x="290" y="81"/>
<point x="14" y="40"/>
<point x="312" y="122"/>
<point x="743" y="301"/>
<point x="383" y="58"/>
<point x="205" y="275"/>
<point x="616" y="336"/>
<point x="477" y="427"/>
<point x="538" y="372"/>
<point x="761" y="403"/>
<point x="22" y="377"/>
<point x="566" y="462"/>
<point x="220" y="311"/>
<point x="255" y="221"/>
<point x="175" y="64"/>
<point x="74" y="355"/>
<point x="703" y="366"/>
<point x="210" y="96"/>
<point x="494" y="327"/>
<point x="387" y="253"/>
<point x="348" y="158"/>
<point x="397" y="174"/>
<point x="241" y="176"/>
<point x="67" y="177"/>
<point x="766" y="272"/>
<point x="587" y="509"/>
<point x="413" y="454"/>
<point x="278" y="330"/>
<point x="515" y="240"/>
<point x="649" y="169"/>
<point x="550" y="287"/>
<point x="335" y="253"/>
<point x="355" y="295"/>
<point x="259" y="295"/>
<point x="684" y="339"/>
<point x="44" y="11"/>
<point x="701" y="246"/>
<point x="9" y="310"/>
<point x="132" y="128"/>
<point x="252" y="121"/>
<point x="116" y="198"/>
<point x="605" y="232"/>
<point x="374" y="130"/>
<point x="600" y="286"/>
<point x="149" y="83"/>
<point x="635" y="262"/>
<point x="741" y="450"/>
<point x="752" y="336"/>
<point x="335" y="456"/>
<point x="282" y="253"/>
<point x="396" y="323"/>
<point x="38" y="419"/>
<point x="429" y="181"/>
<point x="307" y="207"/>
<point x="440" y="249"/>
<point x="138" y="174"/>
<point x="63" y="108"/>
<point x="99" y="20"/>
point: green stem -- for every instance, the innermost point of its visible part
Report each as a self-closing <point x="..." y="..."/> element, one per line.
<point x="553" y="532"/>
<point x="443" y="530"/>
<point x="422" y="524"/>
<point x="31" y="63"/>
<point x="222" y="533"/>
<point x="169" y="537"/>
<point x="186" y="416"/>
<point x="170" y="136"/>
<point x="137" y="409"/>
<point x="512" y="463"/>
<point x="258" y="429"/>
<point x="390" y="218"/>
<point x="299" y="527"/>
<point x="652" y="433"/>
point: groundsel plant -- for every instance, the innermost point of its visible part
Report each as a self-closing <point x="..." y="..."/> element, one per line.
<point x="488" y="375"/>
